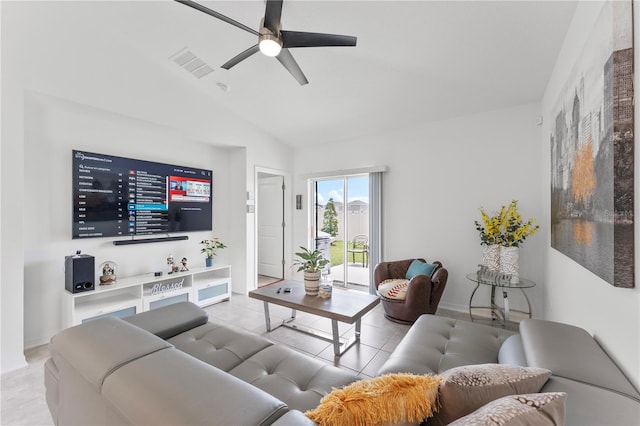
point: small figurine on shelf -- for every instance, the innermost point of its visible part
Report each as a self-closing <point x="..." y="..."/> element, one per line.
<point x="172" y="265"/>
<point x="184" y="265"/>
<point x="108" y="275"/>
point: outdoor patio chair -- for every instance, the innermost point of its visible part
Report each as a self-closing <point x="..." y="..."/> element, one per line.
<point x="359" y="244"/>
<point x="408" y="290"/>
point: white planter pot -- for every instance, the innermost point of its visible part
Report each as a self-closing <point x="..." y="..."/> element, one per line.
<point x="491" y="257"/>
<point x="510" y="262"/>
<point x="312" y="282"/>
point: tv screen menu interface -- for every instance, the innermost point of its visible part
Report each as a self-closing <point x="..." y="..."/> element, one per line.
<point x="116" y="196"/>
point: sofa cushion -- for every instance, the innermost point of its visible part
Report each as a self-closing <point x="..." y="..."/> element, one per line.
<point x="382" y="400"/>
<point x="90" y="347"/>
<point x="435" y="344"/>
<point x="467" y="388"/>
<point x="170" y="387"/>
<point x="512" y="352"/>
<point x="557" y="346"/>
<point x="51" y="380"/>
<point x="419" y="267"/>
<point x="395" y="289"/>
<point x="589" y="405"/>
<point x="540" y="409"/>
<point x="294" y="418"/>
<point x="219" y="345"/>
<point x="297" y="379"/>
<point x="170" y="320"/>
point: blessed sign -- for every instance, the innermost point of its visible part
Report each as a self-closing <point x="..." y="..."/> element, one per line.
<point x="163" y="287"/>
<point x="486" y="276"/>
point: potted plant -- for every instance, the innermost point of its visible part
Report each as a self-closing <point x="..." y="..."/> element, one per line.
<point x="514" y="231"/>
<point x="210" y="249"/>
<point x="502" y="234"/>
<point x="491" y="239"/>
<point x="311" y="262"/>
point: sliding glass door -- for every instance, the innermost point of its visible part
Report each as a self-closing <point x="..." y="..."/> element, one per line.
<point x="340" y="227"/>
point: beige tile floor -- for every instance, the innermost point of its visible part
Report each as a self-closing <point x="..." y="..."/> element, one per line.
<point x="22" y="391"/>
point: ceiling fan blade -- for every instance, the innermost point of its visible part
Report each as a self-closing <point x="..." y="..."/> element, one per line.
<point x="241" y="57"/>
<point x="303" y="39"/>
<point x="286" y="59"/>
<point x="220" y="16"/>
<point x="272" y="15"/>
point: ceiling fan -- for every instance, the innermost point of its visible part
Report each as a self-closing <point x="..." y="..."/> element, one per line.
<point x="274" y="41"/>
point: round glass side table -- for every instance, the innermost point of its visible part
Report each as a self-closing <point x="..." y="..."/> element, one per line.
<point x="497" y="312"/>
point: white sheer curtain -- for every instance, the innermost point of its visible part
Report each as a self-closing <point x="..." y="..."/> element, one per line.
<point x="375" y="224"/>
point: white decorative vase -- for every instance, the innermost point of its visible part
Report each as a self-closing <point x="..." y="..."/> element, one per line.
<point x="312" y="282"/>
<point x="510" y="262"/>
<point x="491" y="257"/>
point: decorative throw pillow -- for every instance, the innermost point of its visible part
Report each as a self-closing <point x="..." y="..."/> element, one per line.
<point x="467" y="388"/>
<point x="418" y="267"/>
<point x="540" y="409"/>
<point x="387" y="399"/>
<point x="394" y="289"/>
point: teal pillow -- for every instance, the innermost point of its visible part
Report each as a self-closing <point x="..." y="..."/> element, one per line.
<point x="418" y="267"/>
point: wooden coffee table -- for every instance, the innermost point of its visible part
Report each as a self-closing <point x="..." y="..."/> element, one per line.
<point x="345" y="306"/>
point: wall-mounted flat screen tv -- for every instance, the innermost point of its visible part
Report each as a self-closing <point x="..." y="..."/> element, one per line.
<point x="119" y="197"/>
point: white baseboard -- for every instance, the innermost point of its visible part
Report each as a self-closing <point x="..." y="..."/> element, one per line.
<point x="39" y="341"/>
<point x="454" y="307"/>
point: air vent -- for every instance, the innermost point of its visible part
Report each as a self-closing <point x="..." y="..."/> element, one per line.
<point x="190" y="62"/>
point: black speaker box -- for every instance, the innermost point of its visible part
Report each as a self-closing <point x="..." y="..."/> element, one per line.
<point x="79" y="273"/>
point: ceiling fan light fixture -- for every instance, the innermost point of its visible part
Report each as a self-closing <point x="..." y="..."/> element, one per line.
<point x="271" y="38"/>
<point x="270" y="45"/>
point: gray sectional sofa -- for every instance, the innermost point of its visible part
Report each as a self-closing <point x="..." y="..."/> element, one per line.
<point x="598" y="393"/>
<point x="172" y="366"/>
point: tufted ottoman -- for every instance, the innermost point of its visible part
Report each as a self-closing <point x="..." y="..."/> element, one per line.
<point x="296" y="379"/>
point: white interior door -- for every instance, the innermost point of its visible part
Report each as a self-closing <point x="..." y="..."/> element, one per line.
<point x="270" y="210"/>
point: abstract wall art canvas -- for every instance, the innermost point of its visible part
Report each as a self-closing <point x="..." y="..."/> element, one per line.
<point x="592" y="150"/>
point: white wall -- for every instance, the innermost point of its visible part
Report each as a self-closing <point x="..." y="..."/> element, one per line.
<point x="575" y="295"/>
<point x="11" y="278"/>
<point x="66" y="83"/>
<point x="439" y="175"/>
<point x="52" y="129"/>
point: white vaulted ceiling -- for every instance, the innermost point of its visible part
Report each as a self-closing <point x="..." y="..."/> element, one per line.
<point x="415" y="61"/>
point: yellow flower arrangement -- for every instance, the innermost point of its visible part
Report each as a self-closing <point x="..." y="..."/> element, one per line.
<point x="506" y="228"/>
<point x="515" y="230"/>
<point x="489" y="229"/>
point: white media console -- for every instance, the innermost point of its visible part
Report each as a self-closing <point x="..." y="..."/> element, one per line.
<point x="128" y="296"/>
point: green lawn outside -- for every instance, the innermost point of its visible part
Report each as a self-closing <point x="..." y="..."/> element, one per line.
<point x="336" y="252"/>
<point x="337" y="249"/>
